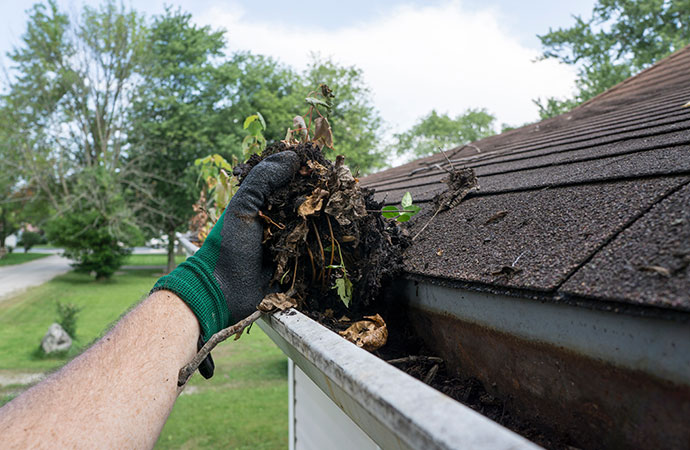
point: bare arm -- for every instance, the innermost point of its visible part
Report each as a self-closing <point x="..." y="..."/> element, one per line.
<point x="117" y="394"/>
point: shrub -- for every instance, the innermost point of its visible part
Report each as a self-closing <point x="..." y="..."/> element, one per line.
<point x="29" y="239"/>
<point x="97" y="228"/>
<point x="67" y="317"/>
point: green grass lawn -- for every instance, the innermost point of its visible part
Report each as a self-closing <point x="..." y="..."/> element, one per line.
<point x="13" y="258"/>
<point x="243" y="406"/>
<point x="151" y="260"/>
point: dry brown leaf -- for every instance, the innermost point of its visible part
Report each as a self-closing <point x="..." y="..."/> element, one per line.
<point x="322" y="132"/>
<point x="313" y="203"/>
<point x="296" y="236"/>
<point x="316" y="167"/>
<point x="276" y="302"/>
<point x="370" y="334"/>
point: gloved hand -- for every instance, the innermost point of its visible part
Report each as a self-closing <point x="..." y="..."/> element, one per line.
<point x="225" y="280"/>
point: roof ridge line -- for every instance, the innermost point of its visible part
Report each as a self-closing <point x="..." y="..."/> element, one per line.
<point x="408" y="177"/>
<point x="615" y="87"/>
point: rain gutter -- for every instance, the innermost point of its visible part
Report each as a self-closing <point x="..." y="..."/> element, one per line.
<point x="597" y="378"/>
<point x="394" y="409"/>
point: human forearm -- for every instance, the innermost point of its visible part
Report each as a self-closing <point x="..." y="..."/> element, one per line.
<point x="116" y="394"/>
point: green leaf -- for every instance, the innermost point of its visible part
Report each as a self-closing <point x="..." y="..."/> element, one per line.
<point x="406" y="200"/>
<point x="403" y="218"/>
<point x="313" y="101"/>
<point x="261" y="119"/>
<point x="344" y="288"/>
<point x="334" y="266"/>
<point x="389" y="212"/>
<point x="254" y="128"/>
<point x="249" y="120"/>
<point x="412" y="209"/>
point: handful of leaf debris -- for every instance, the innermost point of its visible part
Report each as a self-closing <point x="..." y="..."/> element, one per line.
<point x="330" y="243"/>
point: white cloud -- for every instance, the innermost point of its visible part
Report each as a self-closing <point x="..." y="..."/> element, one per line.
<point x="415" y="59"/>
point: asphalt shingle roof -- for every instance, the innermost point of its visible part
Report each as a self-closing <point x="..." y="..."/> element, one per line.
<point x="594" y="203"/>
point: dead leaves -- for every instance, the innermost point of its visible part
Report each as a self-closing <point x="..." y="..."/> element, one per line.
<point x="460" y="183"/>
<point x="369" y="334"/>
<point x="323" y="136"/>
<point x="346" y="201"/>
<point x="313" y="203"/>
<point x="276" y="302"/>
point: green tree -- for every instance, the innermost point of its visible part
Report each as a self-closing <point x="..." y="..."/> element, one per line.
<point x="259" y="83"/>
<point x="440" y="131"/>
<point x="99" y="228"/>
<point x="68" y="93"/>
<point x="177" y="118"/>
<point x="621" y="38"/>
<point x="355" y="122"/>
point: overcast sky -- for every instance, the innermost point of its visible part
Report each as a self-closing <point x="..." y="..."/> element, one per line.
<point x="416" y="55"/>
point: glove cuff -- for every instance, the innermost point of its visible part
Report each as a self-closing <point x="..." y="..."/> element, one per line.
<point x="194" y="283"/>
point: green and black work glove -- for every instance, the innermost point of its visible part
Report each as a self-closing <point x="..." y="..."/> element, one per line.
<point x="225" y="280"/>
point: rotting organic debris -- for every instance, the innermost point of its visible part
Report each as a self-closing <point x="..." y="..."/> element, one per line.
<point x="327" y="244"/>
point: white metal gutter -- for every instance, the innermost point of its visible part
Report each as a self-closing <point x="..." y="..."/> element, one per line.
<point x="394" y="409"/>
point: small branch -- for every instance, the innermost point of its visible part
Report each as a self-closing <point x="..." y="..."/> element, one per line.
<point x="313" y="267"/>
<point x="431" y="375"/>
<point x="216" y="339"/>
<point x="518" y="259"/>
<point x="333" y="241"/>
<point x="294" y="275"/>
<point x="426" y="224"/>
<point x="410" y="359"/>
<point x="323" y="256"/>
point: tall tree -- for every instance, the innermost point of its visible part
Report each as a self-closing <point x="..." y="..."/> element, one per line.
<point x="70" y="88"/>
<point x="176" y="118"/>
<point x="355" y="122"/>
<point x="440" y="131"/>
<point x="621" y="38"/>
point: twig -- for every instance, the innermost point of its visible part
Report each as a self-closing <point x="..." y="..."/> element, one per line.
<point x="280" y="226"/>
<point x="216" y="339"/>
<point x="447" y="159"/>
<point x="294" y="276"/>
<point x="427" y="224"/>
<point x="313" y="268"/>
<point x="518" y="259"/>
<point x="330" y="228"/>
<point x="323" y="255"/>
<point x="431" y="375"/>
<point x="412" y="358"/>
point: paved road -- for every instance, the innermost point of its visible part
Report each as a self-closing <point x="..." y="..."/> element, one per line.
<point x="14" y="279"/>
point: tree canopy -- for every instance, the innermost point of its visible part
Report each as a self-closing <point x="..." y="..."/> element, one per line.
<point x="175" y="118"/>
<point x="621" y="38"/>
<point x="440" y="131"/>
<point x="110" y="95"/>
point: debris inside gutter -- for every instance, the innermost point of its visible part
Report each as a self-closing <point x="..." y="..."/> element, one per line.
<point x="330" y="243"/>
